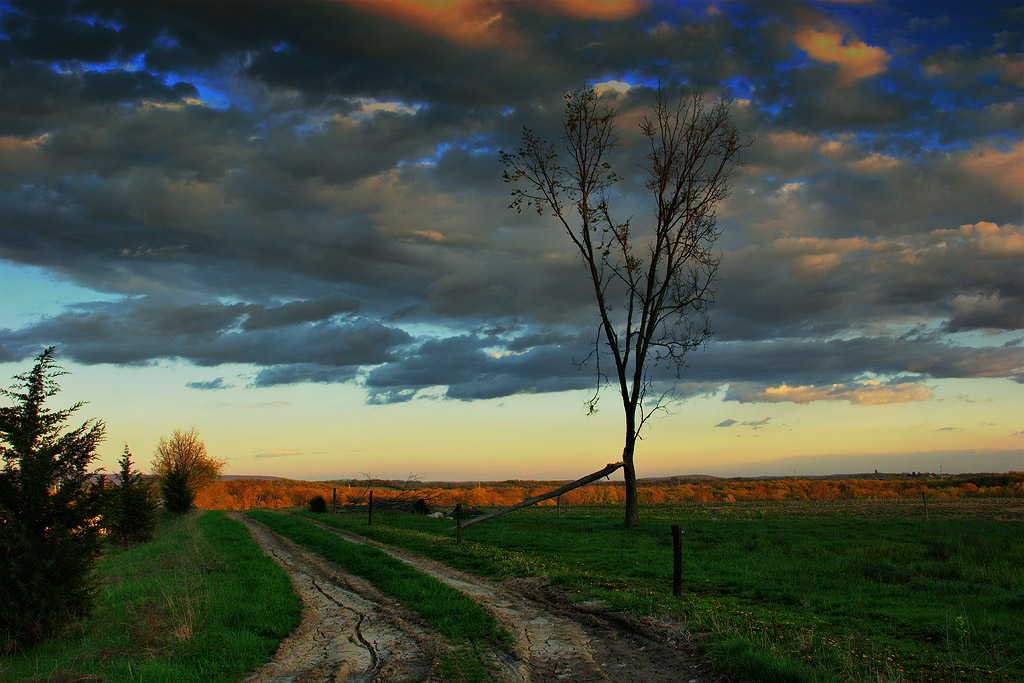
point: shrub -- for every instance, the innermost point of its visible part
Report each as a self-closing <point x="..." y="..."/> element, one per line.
<point x="49" y="513"/>
<point x="318" y="504"/>
<point x="131" y="511"/>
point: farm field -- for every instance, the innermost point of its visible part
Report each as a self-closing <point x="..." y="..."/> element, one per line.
<point x="820" y="591"/>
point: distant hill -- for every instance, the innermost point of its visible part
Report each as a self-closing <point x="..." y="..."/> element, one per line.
<point x="759" y="477"/>
<point x="681" y="476"/>
<point x="232" y="477"/>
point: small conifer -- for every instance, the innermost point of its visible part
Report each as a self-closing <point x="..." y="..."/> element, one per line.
<point x="132" y="505"/>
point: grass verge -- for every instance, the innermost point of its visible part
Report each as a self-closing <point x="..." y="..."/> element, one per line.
<point x="784" y="594"/>
<point x="199" y="603"/>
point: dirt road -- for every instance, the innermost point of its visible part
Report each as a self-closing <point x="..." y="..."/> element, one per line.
<point x="351" y="632"/>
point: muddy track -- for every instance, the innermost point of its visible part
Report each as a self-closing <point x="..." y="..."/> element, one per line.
<point x="349" y="630"/>
<point x="557" y="641"/>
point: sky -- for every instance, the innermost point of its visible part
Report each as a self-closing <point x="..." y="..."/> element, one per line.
<point x="285" y="225"/>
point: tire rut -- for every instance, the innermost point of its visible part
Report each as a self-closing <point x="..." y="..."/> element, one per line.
<point x="349" y="631"/>
<point x="559" y="642"/>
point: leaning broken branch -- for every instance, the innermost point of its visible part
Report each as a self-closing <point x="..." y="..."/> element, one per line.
<point x="608" y="469"/>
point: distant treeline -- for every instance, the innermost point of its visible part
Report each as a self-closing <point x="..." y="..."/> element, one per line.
<point x="245" y="494"/>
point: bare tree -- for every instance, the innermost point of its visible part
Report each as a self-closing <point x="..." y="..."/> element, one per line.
<point x="653" y="286"/>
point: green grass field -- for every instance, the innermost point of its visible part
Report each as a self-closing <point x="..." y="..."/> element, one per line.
<point x="850" y="591"/>
<point x="799" y="592"/>
<point x="199" y="603"/>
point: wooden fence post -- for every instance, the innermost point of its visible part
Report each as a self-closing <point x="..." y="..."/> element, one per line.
<point x="677" y="561"/>
<point x="334" y="502"/>
<point x="370" y="523"/>
<point x="924" y="499"/>
<point x="458" y="522"/>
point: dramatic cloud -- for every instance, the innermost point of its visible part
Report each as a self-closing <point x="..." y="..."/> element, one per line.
<point x="206" y="334"/>
<point x="868" y="393"/>
<point x="314" y="190"/>
<point x="854" y="59"/>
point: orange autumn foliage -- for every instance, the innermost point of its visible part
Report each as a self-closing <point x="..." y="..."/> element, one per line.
<point x="246" y="494"/>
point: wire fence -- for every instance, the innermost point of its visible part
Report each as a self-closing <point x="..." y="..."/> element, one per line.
<point x="923" y="577"/>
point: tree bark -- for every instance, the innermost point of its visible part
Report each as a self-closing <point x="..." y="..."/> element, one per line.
<point x="629" y="473"/>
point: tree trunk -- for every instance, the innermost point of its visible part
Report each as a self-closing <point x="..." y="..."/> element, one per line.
<point x="629" y="472"/>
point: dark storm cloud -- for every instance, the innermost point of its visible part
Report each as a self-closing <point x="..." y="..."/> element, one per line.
<point x="809" y="286"/>
<point x="298" y="373"/>
<point x="803" y="362"/>
<point x="183" y="143"/>
<point x="314" y="189"/>
<point x="296" y="312"/>
<point x="1000" y="309"/>
<point x="472" y="367"/>
<point x="209" y="334"/>
<point x="75" y="96"/>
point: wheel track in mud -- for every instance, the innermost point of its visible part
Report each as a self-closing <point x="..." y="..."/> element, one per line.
<point x="349" y="631"/>
<point x="556" y="642"/>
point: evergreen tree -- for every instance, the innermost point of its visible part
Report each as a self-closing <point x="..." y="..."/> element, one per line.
<point x="49" y="512"/>
<point x="132" y="505"/>
<point x="178" y="495"/>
